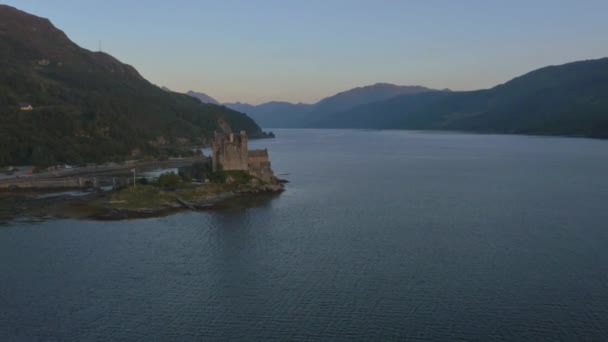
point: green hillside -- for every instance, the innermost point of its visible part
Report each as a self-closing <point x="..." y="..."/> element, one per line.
<point x="88" y="106"/>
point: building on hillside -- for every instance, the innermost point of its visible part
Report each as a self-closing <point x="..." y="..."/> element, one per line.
<point x="25" y="106"/>
<point x="230" y="152"/>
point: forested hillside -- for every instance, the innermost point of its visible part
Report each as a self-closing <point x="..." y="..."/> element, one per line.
<point x="88" y="106"/>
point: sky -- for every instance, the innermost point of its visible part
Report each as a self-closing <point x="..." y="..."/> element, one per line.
<point x="301" y="51"/>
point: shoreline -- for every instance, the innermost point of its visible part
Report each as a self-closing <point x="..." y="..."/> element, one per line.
<point x="101" y="206"/>
<point x="180" y="205"/>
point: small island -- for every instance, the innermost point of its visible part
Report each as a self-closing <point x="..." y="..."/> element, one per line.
<point x="233" y="171"/>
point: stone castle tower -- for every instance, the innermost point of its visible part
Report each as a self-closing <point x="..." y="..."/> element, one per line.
<point x="230" y="152"/>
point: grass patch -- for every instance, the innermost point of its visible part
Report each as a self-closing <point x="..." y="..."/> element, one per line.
<point x="167" y="190"/>
<point x="204" y="192"/>
<point x="143" y="196"/>
<point x="154" y="197"/>
<point x="240" y="177"/>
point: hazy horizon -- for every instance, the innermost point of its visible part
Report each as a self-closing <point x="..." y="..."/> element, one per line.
<point x="302" y="52"/>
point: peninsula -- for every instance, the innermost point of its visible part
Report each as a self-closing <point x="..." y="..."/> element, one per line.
<point x="80" y="128"/>
<point x="115" y="192"/>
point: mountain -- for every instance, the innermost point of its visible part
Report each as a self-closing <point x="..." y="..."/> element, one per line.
<point x="570" y="99"/>
<point x="241" y="107"/>
<point x="285" y="114"/>
<point x="275" y="114"/>
<point x="204" y="98"/>
<point x="363" y="95"/>
<point x="88" y="106"/>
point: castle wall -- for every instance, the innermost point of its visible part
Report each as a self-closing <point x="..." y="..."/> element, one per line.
<point x="233" y="157"/>
<point x="259" y="165"/>
<point x="257" y="160"/>
<point x="230" y="153"/>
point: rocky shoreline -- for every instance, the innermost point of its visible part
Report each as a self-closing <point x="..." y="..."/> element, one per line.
<point x="31" y="206"/>
<point x="179" y="205"/>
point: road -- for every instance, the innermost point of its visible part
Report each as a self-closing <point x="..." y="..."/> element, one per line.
<point x="102" y="170"/>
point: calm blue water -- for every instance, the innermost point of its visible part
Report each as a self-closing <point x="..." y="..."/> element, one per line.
<point x="381" y="236"/>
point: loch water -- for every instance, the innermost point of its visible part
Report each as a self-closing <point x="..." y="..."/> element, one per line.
<point x="380" y="236"/>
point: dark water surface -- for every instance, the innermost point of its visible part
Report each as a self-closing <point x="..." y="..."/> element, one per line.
<point x="381" y="236"/>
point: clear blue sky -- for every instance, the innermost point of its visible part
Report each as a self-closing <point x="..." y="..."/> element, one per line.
<point x="295" y="50"/>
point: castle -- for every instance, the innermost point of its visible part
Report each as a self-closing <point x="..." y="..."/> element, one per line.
<point x="230" y="152"/>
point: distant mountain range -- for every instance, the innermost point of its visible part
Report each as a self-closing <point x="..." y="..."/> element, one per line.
<point x="88" y="106"/>
<point x="204" y="98"/>
<point x="570" y="99"/>
<point x="276" y="114"/>
<point x="285" y="114"/>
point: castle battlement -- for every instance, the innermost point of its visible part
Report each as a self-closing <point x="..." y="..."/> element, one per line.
<point x="230" y="152"/>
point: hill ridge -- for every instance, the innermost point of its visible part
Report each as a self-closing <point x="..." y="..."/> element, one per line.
<point x="287" y="114"/>
<point x="568" y="99"/>
<point x="88" y="106"/>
